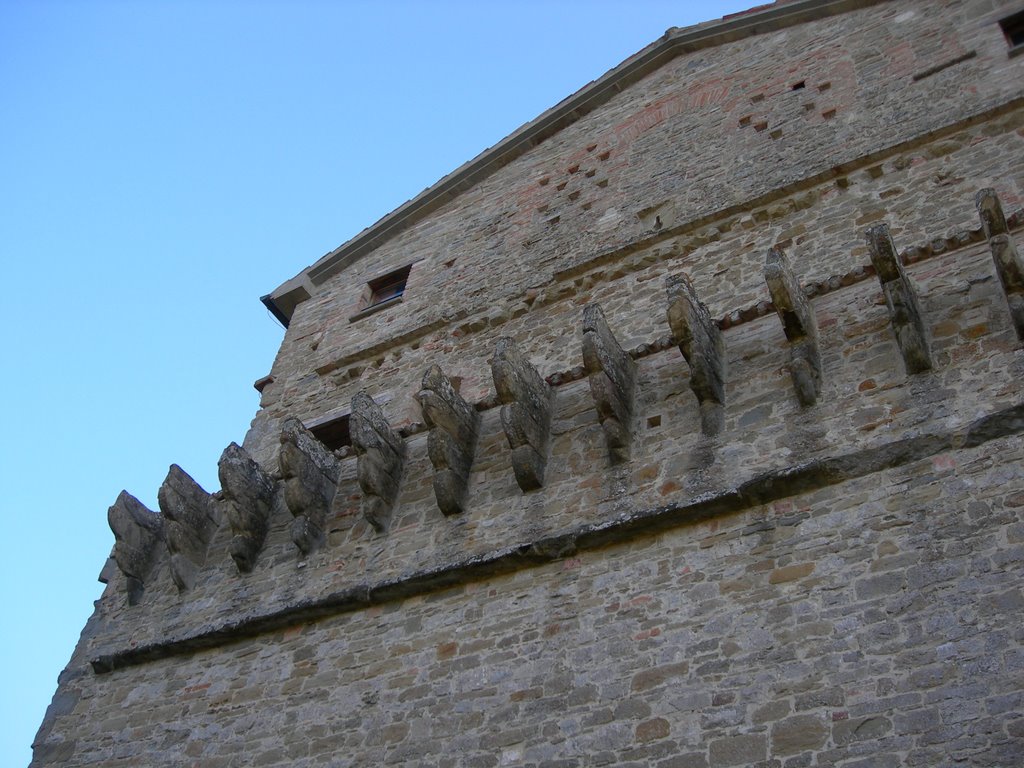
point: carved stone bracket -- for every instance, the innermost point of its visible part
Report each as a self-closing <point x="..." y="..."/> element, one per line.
<point x="798" y="322"/>
<point x="190" y="521"/>
<point x="1008" y="263"/>
<point x="381" y="454"/>
<point x="901" y="298"/>
<point x="454" y="426"/>
<point x="310" y="474"/>
<point x="612" y="376"/>
<point x="525" y="412"/>
<point x="700" y="341"/>
<point x="137" y="535"/>
<point x="247" y="498"/>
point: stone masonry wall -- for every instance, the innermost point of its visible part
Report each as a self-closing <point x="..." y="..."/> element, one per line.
<point x="712" y="138"/>
<point x="872" y="623"/>
<point x="753" y="581"/>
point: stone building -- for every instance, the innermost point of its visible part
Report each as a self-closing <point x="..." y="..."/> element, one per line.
<point x="680" y="428"/>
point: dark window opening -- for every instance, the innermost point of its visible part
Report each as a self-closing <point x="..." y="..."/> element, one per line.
<point x="1013" y="28"/>
<point x="798" y="86"/>
<point x="389" y="286"/>
<point x="334" y="434"/>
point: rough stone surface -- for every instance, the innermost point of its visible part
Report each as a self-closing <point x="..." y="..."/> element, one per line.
<point x="1009" y="265"/>
<point x="901" y="297"/>
<point x="831" y="583"/>
<point x="246" y="498"/>
<point x="525" y="413"/>
<point x="800" y="733"/>
<point x="612" y="377"/>
<point x="310" y="474"/>
<point x="381" y="453"/>
<point x="451" y="444"/>
<point x="798" y="322"/>
<point x="138" y="535"/>
<point x="190" y="520"/>
<point x="701" y="343"/>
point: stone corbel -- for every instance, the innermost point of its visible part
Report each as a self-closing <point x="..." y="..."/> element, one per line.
<point x="310" y="473"/>
<point x="1008" y="263"/>
<point x="612" y="376"/>
<point x="525" y="412"/>
<point x="138" y="533"/>
<point x="381" y="454"/>
<point x="451" y="443"/>
<point x="190" y="520"/>
<point x="700" y="341"/>
<point x="797" y="318"/>
<point x="901" y="298"/>
<point x="247" y="498"/>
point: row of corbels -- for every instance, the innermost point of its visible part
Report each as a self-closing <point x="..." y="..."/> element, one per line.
<point x="309" y="472"/>
<point x="188" y="518"/>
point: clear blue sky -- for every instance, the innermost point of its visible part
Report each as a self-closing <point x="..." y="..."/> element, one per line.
<point x="164" y="164"/>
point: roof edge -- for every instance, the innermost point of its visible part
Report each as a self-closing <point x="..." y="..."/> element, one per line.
<point x="675" y="42"/>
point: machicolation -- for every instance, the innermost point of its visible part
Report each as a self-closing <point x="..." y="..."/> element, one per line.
<point x="688" y="432"/>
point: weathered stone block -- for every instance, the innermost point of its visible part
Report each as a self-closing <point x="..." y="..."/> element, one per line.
<point x="138" y="535"/>
<point x="700" y="341"/>
<point x="451" y="444"/>
<point x="1008" y="263"/>
<point x="798" y="322"/>
<point x="901" y="298"/>
<point x="381" y="454"/>
<point x="190" y="520"/>
<point x="246" y="498"/>
<point x="525" y="413"/>
<point x="738" y="750"/>
<point x="651" y="678"/>
<point x="612" y="377"/>
<point x="798" y="734"/>
<point x="650" y="730"/>
<point x="860" y="729"/>
<point x="310" y="475"/>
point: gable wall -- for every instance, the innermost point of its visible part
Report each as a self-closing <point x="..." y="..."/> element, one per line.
<point x="835" y="584"/>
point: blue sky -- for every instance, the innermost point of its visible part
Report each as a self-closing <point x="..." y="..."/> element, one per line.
<point x="164" y="164"/>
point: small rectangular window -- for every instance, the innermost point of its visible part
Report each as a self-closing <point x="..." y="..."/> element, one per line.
<point x="382" y="292"/>
<point x="389" y="286"/>
<point x="1013" y="29"/>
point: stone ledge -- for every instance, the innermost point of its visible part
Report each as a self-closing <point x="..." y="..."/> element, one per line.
<point x="761" y="489"/>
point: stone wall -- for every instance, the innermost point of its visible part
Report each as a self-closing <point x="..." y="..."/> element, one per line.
<point x="874" y="622"/>
<point x="697" y="536"/>
<point x="680" y="152"/>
